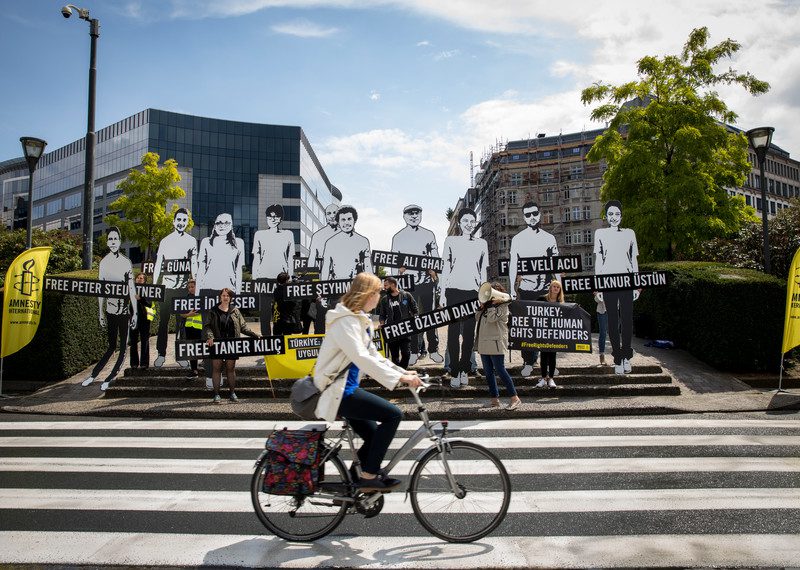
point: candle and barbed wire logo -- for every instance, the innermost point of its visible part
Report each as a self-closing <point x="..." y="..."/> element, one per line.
<point x="27" y="282"/>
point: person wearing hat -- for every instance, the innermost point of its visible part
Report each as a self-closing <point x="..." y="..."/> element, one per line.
<point x="415" y="240"/>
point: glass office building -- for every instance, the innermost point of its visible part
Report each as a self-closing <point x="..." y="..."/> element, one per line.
<point x="226" y="166"/>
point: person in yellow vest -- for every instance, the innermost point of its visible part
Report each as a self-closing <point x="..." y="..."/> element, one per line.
<point x="193" y="328"/>
<point x="140" y="336"/>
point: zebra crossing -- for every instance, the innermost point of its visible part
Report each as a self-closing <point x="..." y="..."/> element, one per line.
<point x="675" y="491"/>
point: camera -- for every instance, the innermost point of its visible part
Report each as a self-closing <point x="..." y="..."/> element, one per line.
<point x="66" y="11"/>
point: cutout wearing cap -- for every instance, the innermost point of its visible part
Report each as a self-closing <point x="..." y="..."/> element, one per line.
<point x="411" y="208"/>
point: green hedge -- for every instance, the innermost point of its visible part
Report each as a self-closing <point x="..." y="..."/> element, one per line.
<point x="69" y="338"/>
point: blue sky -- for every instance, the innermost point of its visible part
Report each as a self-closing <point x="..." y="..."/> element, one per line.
<point x="393" y="94"/>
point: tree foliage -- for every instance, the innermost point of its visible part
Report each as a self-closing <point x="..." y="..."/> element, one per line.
<point x="66" y="254"/>
<point x="143" y="203"/>
<point x="746" y="247"/>
<point x="670" y="157"/>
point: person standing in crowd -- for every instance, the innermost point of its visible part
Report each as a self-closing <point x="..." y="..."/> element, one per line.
<point x="555" y="294"/>
<point x="117" y="313"/>
<point x="465" y="260"/>
<point x="491" y="340"/>
<point x="273" y="249"/>
<point x="395" y="306"/>
<point x="140" y="336"/>
<point x="532" y="241"/>
<point x="225" y="321"/>
<point x="347" y="353"/>
<point x="415" y="240"/>
<point x="178" y="246"/>
<point x="602" y="327"/>
<point x="287" y="320"/>
<point x="615" y="251"/>
<point x="193" y="328"/>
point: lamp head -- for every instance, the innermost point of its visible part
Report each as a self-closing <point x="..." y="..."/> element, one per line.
<point x="83" y="13"/>
<point x="760" y="138"/>
<point x="33" y="149"/>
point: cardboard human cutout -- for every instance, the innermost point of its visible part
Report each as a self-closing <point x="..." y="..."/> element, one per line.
<point x="532" y="241"/>
<point x="220" y="258"/>
<point x="465" y="260"/>
<point x="616" y="252"/>
<point x="318" y="239"/>
<point x="176" y="262"/>
<point x="347" y="253"/>
<point x="115" y="312"/>
<point x="415" y="240"/>
<point x="273" y="250"/>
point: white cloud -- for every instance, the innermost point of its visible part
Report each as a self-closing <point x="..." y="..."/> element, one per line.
<point x="446" y="54"/>
<point x="423" y="43"/>
<point x="303" y="29"/>
<point x="374" y="96"/>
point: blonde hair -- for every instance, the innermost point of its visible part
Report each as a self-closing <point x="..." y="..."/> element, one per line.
<point x="364" y="285"/>
<point x="560" y="298"/>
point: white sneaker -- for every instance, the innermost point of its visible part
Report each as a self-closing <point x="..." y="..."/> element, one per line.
<point x="88" y="381"/>
<point x="436" y="357"/>
<point x="463" y="378"/>
<point x="619" y="369"/>
<point x="455" y="382"/>
<point x="527" y="370"/>
<point x="209" y="384"/>
<point x="551" y="384"/>
<point x="626" y="365"/>
<point x="413" y="359"/>
<point x="104" y="386"/>
<point x="542" y="383"/>
<point x="555" y="372"/>
<point x="183" y="363"/>
<point x="159" y="362"/>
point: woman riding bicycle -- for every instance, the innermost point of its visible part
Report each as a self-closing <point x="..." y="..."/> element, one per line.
<point x="346" y="354"/>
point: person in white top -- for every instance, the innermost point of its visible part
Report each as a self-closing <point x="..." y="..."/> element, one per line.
<point x="315" y="251"/>
<point x="273" y="250"/>
<point x="465" y="261"/>
<point x="415" y="240"/>
<point x="615" y="251"/>
<point x="117" y="313"/>
<point x="533" y="241"/>
<point x="178" y="245"/>
<point x="347" y="253"/>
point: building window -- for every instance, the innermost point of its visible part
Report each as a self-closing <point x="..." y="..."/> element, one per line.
<point x="587" y="236"/>
<point x="53" y="207"/>
<point x="546" y="175"/>
<point x="568" y="238"/>
<point x="502" y="218"/>
<point x="503" y="242"/>
<point x="547" y="217"/>
<point x="576" y="172"/>
<point x="576" y="213"/>
<point x="38" y="211"/>
<point x="292" y="214"/>
<point x="547" y="197"/>
<point x="512" y="197"/>
<point x="567" y="217"/>
<point x="588" y="260"/>
<point x="587" y="213"/>
<point x="501" y="198"/>
<point x="73" y="201"/>
<point x="291" y="190"/>
<point x="516" y="178"/>
<point x="512" y="221"/>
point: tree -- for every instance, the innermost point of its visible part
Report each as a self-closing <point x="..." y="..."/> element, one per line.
<point x="449" y="214"/>
<point x="66" y="254"/>
<point x="143" y="204"/>
<point x="670" y="156"/>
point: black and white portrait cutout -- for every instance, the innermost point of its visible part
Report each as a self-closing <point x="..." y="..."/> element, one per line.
<point x="465" y="260"/>
<point x="347" y="253"/>
<point x="415" y="240"/>
<point x="273" y="250"/>
<point x="116" y="313"/>
<point x="532" y="241"/>
<point x="615" y="251"/>
<point x="176" y="262"/>
<point x="318" y="239"/>
<point x="220" y="258"/>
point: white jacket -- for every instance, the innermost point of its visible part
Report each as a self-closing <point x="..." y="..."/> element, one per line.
<point x="347" y="341"/>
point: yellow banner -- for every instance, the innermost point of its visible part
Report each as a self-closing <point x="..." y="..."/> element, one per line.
<point x="22" y="299"/>
<point x="791" y="326"/>
<point x="301" y="355"/>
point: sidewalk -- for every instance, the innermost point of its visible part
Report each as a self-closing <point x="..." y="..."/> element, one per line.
<point x="703" y="390"/>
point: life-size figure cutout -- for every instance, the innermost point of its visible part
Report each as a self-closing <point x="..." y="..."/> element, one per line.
<point x="118" y="314"/>
<point x="615" y="251"/>
<point x="416" y="240"/>
<point x="315" y="252"/>
<point x="465" y="260"/>
<point x="532" y="241"/>
<point x="273" y="249"/>
<point x="177" y="246"/>
<point x="347" y="253"/>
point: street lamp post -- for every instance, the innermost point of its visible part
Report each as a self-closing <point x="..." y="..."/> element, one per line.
<point x="91" y="139"/>
<point x="33" y="149"/>
<point x="760" y="139"/>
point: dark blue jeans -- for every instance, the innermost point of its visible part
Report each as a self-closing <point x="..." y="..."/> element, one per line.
<point x="492" y="363"/>
<point x="375" y="420"/>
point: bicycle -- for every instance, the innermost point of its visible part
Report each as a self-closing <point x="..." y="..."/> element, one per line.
<point x="449" y="479"/>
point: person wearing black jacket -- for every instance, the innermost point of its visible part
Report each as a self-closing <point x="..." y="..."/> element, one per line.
<point x="397" y="305"/>
<point x="140" y="336"/>
<point x="287" y="320"/>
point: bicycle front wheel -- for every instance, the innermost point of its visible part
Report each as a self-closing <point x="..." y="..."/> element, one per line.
<point x="303" y="517"/>
<point x="480" y="499"/>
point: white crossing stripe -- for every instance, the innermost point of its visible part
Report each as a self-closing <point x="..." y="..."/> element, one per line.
<point x="396" y="503"/>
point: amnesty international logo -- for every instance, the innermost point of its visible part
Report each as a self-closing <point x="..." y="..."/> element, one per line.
<point x="27" y="282"/>
<point x="797" y="275"/>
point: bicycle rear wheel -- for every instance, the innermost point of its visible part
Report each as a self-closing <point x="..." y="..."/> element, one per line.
<point x="483" y="492"/>
<point x="303" y="517"/>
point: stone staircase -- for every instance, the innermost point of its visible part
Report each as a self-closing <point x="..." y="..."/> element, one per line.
<point x="252" y="382"/>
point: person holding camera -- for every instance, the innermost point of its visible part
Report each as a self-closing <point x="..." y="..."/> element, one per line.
<point x="491" y="341"/>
